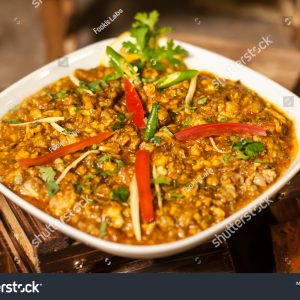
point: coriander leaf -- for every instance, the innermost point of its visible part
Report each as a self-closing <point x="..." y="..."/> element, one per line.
<point x="130" y="47"/>
<point x="52" y="188"/>
<point x="48" y="174"/>
<point x="248" y="148"/>
<point x="94" y="86"/>
<point x="120" y="194"/>
<point x="202" y="101"/>
<point x="119" y="163"/>
<point x="161" y="180"/>
<point x="144" y="19"/>
<point x="174" y="196"/>
<point x="253" y="149"/>
<point x="118" y="125"/>
<point x="171" y="52"/>
<point x="104" y="158"/>
<point x="225" y="159"/>
<point x="61" y="94"/>
<point x="187" y="122"/>
<point x="121" y="117"/>
<point x="146" y="46"/>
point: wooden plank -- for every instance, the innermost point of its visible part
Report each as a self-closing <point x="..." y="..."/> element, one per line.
<point x="25" y="228"/>
<point x="286" y="241"/>
<point x="66" y="255"/>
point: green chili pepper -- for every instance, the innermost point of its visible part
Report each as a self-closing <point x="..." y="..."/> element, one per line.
<point x="174" y="78"/>
<point x="122" y="65"/>
<point x="152" y="123"/>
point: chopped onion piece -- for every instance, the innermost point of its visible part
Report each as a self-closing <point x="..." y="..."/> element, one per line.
<point x="58" y="128"/>
<point x="190" y="93"/>
<point x="157" y="187"/>
<point x="43" y="120"/>
<point x="74" y="164"/>
<point x="215" y="146"/>
<point x="135" y="208"/>
<point x="76" y="81"/>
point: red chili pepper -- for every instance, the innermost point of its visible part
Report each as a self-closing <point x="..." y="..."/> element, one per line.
<point x="134" y="104"/>
<point x="218" y="129"/>
<point x="48" y="158"/>
<point x="142" y="171"/>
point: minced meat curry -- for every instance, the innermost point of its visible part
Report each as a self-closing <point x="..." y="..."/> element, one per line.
<point x="144" y="151"/>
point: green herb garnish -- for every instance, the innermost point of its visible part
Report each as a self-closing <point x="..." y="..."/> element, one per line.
<point x="161" y="180"/>
<point x="146" y="35"/>
<point x="187" y="122"/>
<point x="248" y="148"/>
<point x="120" y="194"/>
<point x="225" y="159"/>
<point x="94" y="86"/>
<point x="122" y="119"/>
<point x="202" y="101"/>
<point x="104" y="158"/>
<point x="48" y="174"/>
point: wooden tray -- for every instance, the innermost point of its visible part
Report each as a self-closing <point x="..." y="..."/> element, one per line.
<point x="58" y="253"/>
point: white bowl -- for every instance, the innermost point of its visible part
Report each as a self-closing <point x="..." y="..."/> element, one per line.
<point x="201" y="59"/>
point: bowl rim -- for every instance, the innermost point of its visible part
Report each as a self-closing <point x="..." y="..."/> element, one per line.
<point x="158" y="250"/>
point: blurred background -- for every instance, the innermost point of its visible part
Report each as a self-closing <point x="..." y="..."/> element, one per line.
<point x="34" y="32"/>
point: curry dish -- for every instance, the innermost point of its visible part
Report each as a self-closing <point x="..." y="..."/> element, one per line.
<point x="145" y="150"/>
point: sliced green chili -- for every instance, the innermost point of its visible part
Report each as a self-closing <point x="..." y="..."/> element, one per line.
<point x="174" y="78"/>
<point x="152" y="123"/>
<point x="122" y="65"/>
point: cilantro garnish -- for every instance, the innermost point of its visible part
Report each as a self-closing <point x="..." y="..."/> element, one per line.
<point x="122" y="119"/>
<point x="94" y="86"/>
<point x="187" y="122"/>
<point x="146" y="33"/>
<point x="120" y="194"/>
<point x="48" y="174"/>
<point x="161" y="180"/>
<point x="248" y="149"/>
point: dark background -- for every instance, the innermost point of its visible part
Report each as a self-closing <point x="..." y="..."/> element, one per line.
<point x="30" y="36"/>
